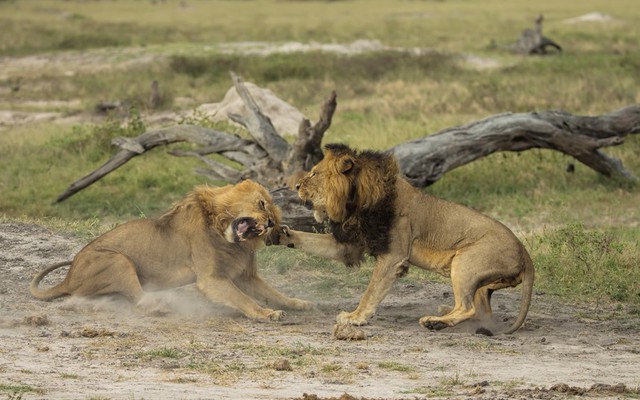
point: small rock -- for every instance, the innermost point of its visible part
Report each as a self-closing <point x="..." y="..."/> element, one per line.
<point x="91" y="332"/>
<point x="348" y="332"/>
<point x="36" y="320"/>
<point x="476" y="391"/>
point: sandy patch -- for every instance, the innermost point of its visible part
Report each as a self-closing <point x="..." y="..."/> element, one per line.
<point x="75" y="348"/>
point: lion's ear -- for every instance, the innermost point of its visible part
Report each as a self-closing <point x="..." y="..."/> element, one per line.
<point x="346" y="165"/>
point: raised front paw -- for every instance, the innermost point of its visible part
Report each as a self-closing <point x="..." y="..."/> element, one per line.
<point x="352" y="318"/>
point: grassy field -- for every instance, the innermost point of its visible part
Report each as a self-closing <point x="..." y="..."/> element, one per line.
<point x="66" y="56"/>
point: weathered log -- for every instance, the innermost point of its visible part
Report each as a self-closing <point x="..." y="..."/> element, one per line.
<point x="423" y="161"/>
<point x="426" y="160"/>
<point x="268" y="159"/>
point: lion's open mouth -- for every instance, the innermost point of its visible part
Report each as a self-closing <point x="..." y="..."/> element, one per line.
<point x="245" y="228"/>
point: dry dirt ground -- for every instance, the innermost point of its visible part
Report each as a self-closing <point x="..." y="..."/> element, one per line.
<point x="105" y="349"/>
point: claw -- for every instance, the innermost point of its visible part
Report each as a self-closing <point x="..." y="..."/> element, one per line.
<point x="276" y="315"/>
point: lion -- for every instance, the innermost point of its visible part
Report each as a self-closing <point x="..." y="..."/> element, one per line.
<point x="371" y="209"/>
<point x="209" y="238"/>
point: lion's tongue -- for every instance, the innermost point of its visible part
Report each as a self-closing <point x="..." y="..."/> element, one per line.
<point x="241" y="229"/>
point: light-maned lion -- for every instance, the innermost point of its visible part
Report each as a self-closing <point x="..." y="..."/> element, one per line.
<point x="372" y="209"/>
<point x="210" y="238"/>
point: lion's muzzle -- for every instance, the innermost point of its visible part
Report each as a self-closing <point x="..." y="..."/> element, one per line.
<point x="246" y="228"/>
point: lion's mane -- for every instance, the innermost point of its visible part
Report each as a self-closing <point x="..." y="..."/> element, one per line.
<point x="214" y="206"/>
<point x="360" y="191"/>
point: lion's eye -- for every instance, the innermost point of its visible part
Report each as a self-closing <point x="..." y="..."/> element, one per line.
<point x="262" y="204"/>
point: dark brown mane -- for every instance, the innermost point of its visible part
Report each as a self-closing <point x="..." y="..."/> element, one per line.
<point x="369" y="225"/>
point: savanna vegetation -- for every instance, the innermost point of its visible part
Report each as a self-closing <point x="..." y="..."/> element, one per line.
<point x="582" y="229"/>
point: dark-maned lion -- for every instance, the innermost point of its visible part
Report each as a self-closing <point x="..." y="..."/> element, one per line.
<point x="372" y="209"/>
<point x="210" y="238"/>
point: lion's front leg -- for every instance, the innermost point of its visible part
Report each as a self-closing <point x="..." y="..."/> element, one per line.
<point x="321" y="245"/>
<point x="257" y="288"/>
<point x="385" y="273"/>
<point x="223" y="290"/>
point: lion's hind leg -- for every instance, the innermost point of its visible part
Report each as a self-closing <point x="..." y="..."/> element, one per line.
<point x="472" y="297"/>
<point x="462" y="310"/>
<point x="98" y="273"/>
<point x="482" y="302"/>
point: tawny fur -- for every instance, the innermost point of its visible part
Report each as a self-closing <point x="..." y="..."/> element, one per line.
<point x="375" y="210"/>
<point x="199" y="240"/>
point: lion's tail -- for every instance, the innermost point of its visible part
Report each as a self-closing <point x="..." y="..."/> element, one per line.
<point x="527" y="290"/>
<point x="51" y="293"/>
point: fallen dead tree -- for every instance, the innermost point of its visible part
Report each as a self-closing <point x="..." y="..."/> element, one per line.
<point x="272" y="161"/>
<point x="426" y="160"/>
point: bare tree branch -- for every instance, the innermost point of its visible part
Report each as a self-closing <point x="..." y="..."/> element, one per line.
<point x="307" y="150"/>
<point x="218" y="169"/>
<point x="264" y="159"/>
<point x="259" y="125"/>
<point x="132" y="147"/>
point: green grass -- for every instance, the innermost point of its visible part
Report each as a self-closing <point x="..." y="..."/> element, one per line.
<point x="16" y="391"/>
<point x="164" y="352"/>
<point x="106" y="51"/>
<point x="324" y="277"/>
<point x="452" y="380"/>
<point x="52" y="25"/>
<point x="395" y="366"/>
<point x="582" y="263"/>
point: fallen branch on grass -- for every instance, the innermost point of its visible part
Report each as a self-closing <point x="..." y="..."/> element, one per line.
<point x="272" y="161"/>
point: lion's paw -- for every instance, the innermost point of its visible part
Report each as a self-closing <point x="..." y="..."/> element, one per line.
<point x="434" y="325"/>
<point x="280" y="236"/>
<point x="351" y="319"/>
<point x="276" y="315"/>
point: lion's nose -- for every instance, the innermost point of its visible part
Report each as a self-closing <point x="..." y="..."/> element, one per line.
<point x="270" y="223"/>
<point x="297" y="186"/>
